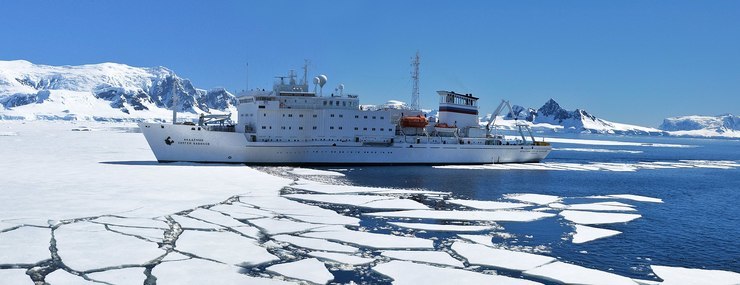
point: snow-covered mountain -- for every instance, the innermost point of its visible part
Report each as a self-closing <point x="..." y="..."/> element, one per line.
<point x="106" y="91"/>
<point x="552" y="117"/>
<point x="703" y="126"/>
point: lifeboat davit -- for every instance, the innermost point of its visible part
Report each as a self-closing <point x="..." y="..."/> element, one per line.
<point x="414" y="121"/>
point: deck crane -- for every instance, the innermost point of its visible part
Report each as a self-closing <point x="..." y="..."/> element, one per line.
<point x="520" y="126"/>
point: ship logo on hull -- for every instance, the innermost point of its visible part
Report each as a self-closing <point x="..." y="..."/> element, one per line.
<point x="168" y="141"/>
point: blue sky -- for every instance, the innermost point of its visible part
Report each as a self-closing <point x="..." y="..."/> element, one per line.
<point x="625" y="61"/>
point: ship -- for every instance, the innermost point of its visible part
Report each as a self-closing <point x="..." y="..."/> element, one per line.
<point x="293" y="125"/>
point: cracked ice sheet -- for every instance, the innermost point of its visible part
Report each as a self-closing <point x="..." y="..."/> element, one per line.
<point x="242" y="212"/>
<point x="311" y="172"/>
<point x="362" y="201"/>
<point x="690" y="276"/>
<point x="282" y="226"/>
<point x="66" y="190"/>
<point x="123" y="276"/>
<point x="487" y="205"/>
<point x="131" y="222"/>
<point x="190" y="223"/>
<point x="513" y="260"/>
<point x="372" y="240"/>
<point x="310" y="269"/>
<point x="300" y="211"/>
<point x="409" y="273"/>
<point x="226" y="247"/>
<point x="596" y="218"/>
<point x="538" y="199"/>
<point x="346" y="189"/>
<point x="25" y="245"/>
<point x="15" y="277"/>
<point x="443" y="228"/>
<point x="506" y="216"/>
<point x="154" y="235"/>
<point x="574" y="274"/>
<point x="198" y="271"/>
<point x="215" y="218"/>
<point x="341" y="258"/>
<point x="314" y="244"/>
<point x="585" y="233"/>
<point x="84" y="246"/>
<point x="62" y="277"/>
<point x="434" y="257"/>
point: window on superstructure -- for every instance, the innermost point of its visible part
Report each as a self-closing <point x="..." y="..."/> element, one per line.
<point x="283" y="127"/>
<point x="364" y="129"/>
<point x="331" y="128"/>
<point x="314" y="127"/>
<point x="283" y="115"/>
<point x="290" y="115"/>
<point x="264" y="115"/>
<point x="382" y="118"/>
<point x="356" y="128"/>
<point x="332" y="115"/>
<point x="324" y="103"/>
<point x="264" y="127"/>
<point x="373" y="117"/>
<point x="365" y="117"/>
<point x="300" y="128"/>
<point x="341" y="116"/>
<point x="344" y="103"/>
<point x="314" y="115"/>
<point x="373" y="129"/>
<point x="337" y="103"/>
<point x="382" y="129"/>
<point x="300" y="115"/>
<point x="340" y="128"/>
<point x="357" y="117"/>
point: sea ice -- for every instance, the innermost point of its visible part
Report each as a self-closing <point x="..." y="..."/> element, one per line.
<point x="225" y="247"/>
<point x="85" y="246"/>
<point x="282" y="226"/>
<point x="509" y="216"/>
<point x="513" y="260"/>
<point x="199" y="271"/>
<point x="215" y="218"/>
<point x="131" y="222"/>
<point x="443" y="228"/>
<point x="242" y="212"/>
<point x="314" y="244"/>
<point x="409" y="273"/>
<point x="346" y="189"/>
<point x="574" y="274"/>
<point x="539" y="199"/>
<point x="123" y="276"/>
<point x="637" y="198"/>
<point x="434" y="257"/>
<point x="585" y="233"/>
<point x="151" y="234"/>
<point x="372" y="240"/>
<point x="481" y="239"/>
<point x="311" y="172"/>
<point x="25" y="245"/>
<point x="595" y="218"/>
<point x="341" y="258"/>
<point x="190" y="223"/>
<point x="362" y="201"/>
<point x="299" y="211"/>
<point x="691" y="276"/>
<point x="15" y="277"/>
<point x="487" y="205"/>
<point x="61" y="277"/>
<point x="598" y="207"/>
<point x="310" y="269"/>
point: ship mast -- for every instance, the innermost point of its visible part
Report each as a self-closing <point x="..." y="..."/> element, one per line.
<point x="415" y="78"/>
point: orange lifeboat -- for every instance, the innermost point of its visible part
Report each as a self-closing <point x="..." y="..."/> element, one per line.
<point x="414" y="121"/>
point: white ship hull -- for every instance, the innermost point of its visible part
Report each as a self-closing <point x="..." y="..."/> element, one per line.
<point x="193" y="144"/>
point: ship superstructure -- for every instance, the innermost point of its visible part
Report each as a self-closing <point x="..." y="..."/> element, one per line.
<point x="292" y="124"/>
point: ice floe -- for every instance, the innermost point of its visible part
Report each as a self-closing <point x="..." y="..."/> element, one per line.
<point x="487" y="205"/>
<point x="538" y="199"/>
<point x="226" y="247"/>
<point x="600" y="206"/>
<point x="434" y="257"/>
<point x="199" y="271"/>
<point x="150" y="234"/>
<point x="341" y="258"/>
<point x="33" y="241"/>
<point x="595" y="218"/>
<point x="131" y="222"/>
<point x="574" y="274"/>
<point x="444" y="228"/>
<point x="508" y="216"/>
<point x="299" y="211"/>
<point x="362" y="201"/>
<point x="62" y="277"/>
<point x="190" y="223"/>
<point x="15" y="276"/>
<point x="215" y="218"/>
<point x="346" y="189"/>
<point x="310" y="269"/>
<point x="85" y="246"/>
<point x="501" y="258"/>
<point x="691" y="276"/>
<point x="282" y="226"/>
<point x="481" y="239"/>
<point x="242" y="212"/>
<point x="123" y="276"/>
<point x="312" y="172"/>
<point x="611" y="142"/>
<point x="597" y="166"/>
<point x="585" y="233"/>
<point x="601" y="150"/>
<point x="372" y="240"/>
<point x="409" y="273"/>
<point x="637" y="198"/>
<point x="314" y="243"/>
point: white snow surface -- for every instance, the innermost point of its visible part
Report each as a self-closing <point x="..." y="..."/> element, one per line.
<point x="341" y="258"/>
<point x="123" y="276"/>
<point x="538" y="199"/>
<point x="362" y="201"/>
<point x="33" y="241"/>
<point x="314" y="243"/>
<point x="513" y="260"/>
<point x="443" y="228"/>
<point x="348" y="189"/>
<point x="314" y="172"/>
<point x="409" y="273"/>
<point x="507" y="216"/>
<point x="282" y="226"/>
<point x="574" y="274"/>
<point x="691" y="276"/>
<point x="199" y="271"/>
<point x="600" y="206"/>
<point x="434" y="257"/>
<point x="85" y="246"/>
<point x="310" y="269"/>
<point x="226" y="247"/>
<point x="585" y="233"/>
<point x="15" y="277"/>
<point x="595" y="218"/>
<point x="487" y="205"/>
<point x="61" y="277"/>
<point x="372" y="240"/>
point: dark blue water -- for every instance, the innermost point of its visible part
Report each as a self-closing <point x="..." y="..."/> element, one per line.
<point x="698" y="226"/>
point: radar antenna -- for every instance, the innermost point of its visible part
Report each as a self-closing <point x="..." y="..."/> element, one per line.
<point x="415" y="78"/>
